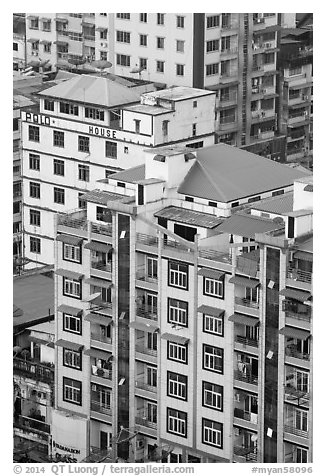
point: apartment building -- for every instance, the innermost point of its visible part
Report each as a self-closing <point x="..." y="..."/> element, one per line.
<point x="183" y="311"/>
<point x="19" y="41"/>
<point x="296" y="76"/>
<point x="90" y="127"/>
<point x="233" y="54"/>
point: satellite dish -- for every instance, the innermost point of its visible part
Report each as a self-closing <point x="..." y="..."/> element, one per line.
<point x="254" y="437"/>
<point x="77" y="61"/>
<point x="137" y="69"/>
<point x="101" y="64"/>
<point x="38" y="63"/>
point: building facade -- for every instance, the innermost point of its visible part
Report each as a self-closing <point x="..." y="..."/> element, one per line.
<point x="90" y="127"/>
<point x="183" y="307"/>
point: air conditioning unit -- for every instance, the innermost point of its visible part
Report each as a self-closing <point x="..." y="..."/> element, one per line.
<point x="236" y="431"/>
<point x="93" y="387"/>
<point x="140" y="444"/>
<point x="104" y="45"/>
<point x="264" y="91"/>
<point x="260" y="15"/>
<point x="237" y="397"/>
<point x="268" y="45"/>
<point x="35" y="53"/>
<point x="305" y="97"/>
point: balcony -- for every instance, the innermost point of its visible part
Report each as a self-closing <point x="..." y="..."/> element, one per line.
<point x="101" y="338"/>
<point x="246" y="377"/>
<point x="246" y="341"/>
<point x="245" y="454"/>
<point x="293" y="395"/>
<point x="99" y="229"/>
<point x="142" y="275"/>
<point x="229" y="51"/>
<point x="291" y="351"/>
<point x="142" y="349"/>
<point x="32" y="425"/>
<point x="295" y="431"/>
<point x="102" y="266"/>
<point x="246" y="302"/>
<point x="102" y="373"/>
<point x="96" y="406"/>
<point x="147" y="312"/>
<point x="143" y="420"/>
<point x="34" y="370"/>
<point x="299" y="275"/>
<point x="76" y="219"/>
<point x="148" y="240"/>
<point x="245" y="415"/>
<point x="228" y="99"/>
<point x="144" y="386"/>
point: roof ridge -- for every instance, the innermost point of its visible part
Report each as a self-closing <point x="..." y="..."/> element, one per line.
<point x="211" y="181"/>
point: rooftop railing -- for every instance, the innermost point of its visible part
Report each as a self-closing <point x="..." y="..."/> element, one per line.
<point x="33" y="370"/>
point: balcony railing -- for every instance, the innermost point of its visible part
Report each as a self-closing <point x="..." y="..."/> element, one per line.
<point x="229" y="97"/>
<point x="296" y="315"/>
<point x="147" y="239"/>
<point x="299" y="275"/>
<point x="246" y="452"/>
<point x="246" y="377"/>
<point x="227" y="119"/>
<point x="100" y="408"/>
<point x="294" y="395"/>
<point x="174" y="244"/>
<point x="75" y="219"/>
<point x="102" y="266"/>
<point x="142" y="275"/>
<point x="215" y="255"/>
<point x="103" y="373"/>
<point x="295" y="431"/>
<point x="27" y="423"/>
<point x="101" y="229"/>
<point x="147" y="312"/>
<point x="145" y="350"/>
<point x="144" y="421"/>
<point x="229" y="51"/>
<point x="245" y="415"/>
<point x="292" y="352"/>
<point x="246" y="302"/>
<point x="246" y="341"/>
<point x="101" y="338"/>
<point x="143" y="385"/>
<point x="34" y="370"/>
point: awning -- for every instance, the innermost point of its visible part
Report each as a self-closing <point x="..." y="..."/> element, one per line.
<point x="303" y="85"/>
<point x="100" y="283"/>
<point x="73" y="311"/>
<point x="45" y="42"/>
<point x="68" y="345"/>
<point x="98" y="319"/>
<point x="32" y="17"/>
<point x="144" y="327"/>
<point x="60" y="43"/>
<point x="299" y="105"/>
<point x="211" y="311"/>
<point x="69" y="239"/>
<point x="101" y="28"/>
<point x="45" y="19"/>
<point x="62" y="20"/>
<point x="303" y="255"/>
<point x="309" y="188"/>
<point x="97" y="246"/>
<point x="69" y="274"/>
<point x="87" y="23"/>
<point x="243" y="281"/>
<point x="296" y="294"/>
<point x="98" y="354"/>
<point x="174" y="338"/>
<point x="33" y="40"/>
<point x="245" y="320"/>
<point x="294" y="332"/>
<point x="211" y="273"/>
<point x="37" y="340"/>
<point x="299" y="124"/>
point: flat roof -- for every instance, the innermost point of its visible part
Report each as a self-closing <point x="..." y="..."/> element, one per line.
<point x="178" y="93"/>
<point x="146" y="109"/>
<point x="224" y="173"/>
<point x="33" y="294"/>
<point x="44" y="327"/>
<point x="247" y="225"/>
<point x="169" y="151"/>
<point x="190" y="217"/>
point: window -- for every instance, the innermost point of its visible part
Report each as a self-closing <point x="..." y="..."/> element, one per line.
<point x="212" y="45"/>
<point x="143" y="17"/>
<point x="137" y="125"/>
<point x="103" y="56"/>
<point x="72" y="288"/>
<point x="143" y="63"/>
<point x="213" y="396"/>
<point x="103" y="34"/>
<point x="67" y="108"/>
<point x="160" y="42"/>
<point x="93" y="113"/>
<point x="72" y="358"/>
<point x="72" y="391"/>
<point x="83" y="144"/>
<point x="151" y="376"/>
<point x="213" y="324"/>
<point x="143" y="40"/>
<point x="34" y="23"/>
<point x="160" y="18"/>
<point x="123" y="36"/>
<point x="213" y="287"/>
<point x="46" y="25"/>
<point x="126" y="150"/>
<point x="35" y="45"/>
<point x="111" y="149"/>
<point x="72" y="324"/>
<point x="295" y="71"/>
<point x="34" y="190"/>
<point x="83" y="173"/>
<point x="59" y="195"/>
<point x="123" y="16"/>
<point x="278" y="192"/>
<point x="180" y="69"/>
<point x="34" y="162"/>
<point x="48" y="105"/>
<point x="176" y="422"/>
<point x="177" y="352"/>
<point x="300" y="455"/>
<point x="35" y="217"/>
<point x="194" y="129"/>
<point x="17" y="207"/>
<point x="121" y="184"/>
<point x="81" y="202"/>
<point x="103" y="14"/>
<point x="58" y="139"/>
<point x="58" y="167"/>
<point x="47" y="47"/>
<point x="123" y="60"/>
<point x="212" y="433"/>
<point x="34" y="133"/>
<point x="152" y="340"/>
<point x="180" y="46"/>
<point x="178" y="275"/>
<point x="212" y="204"/>
<point x="178" y="312"/>
<point x="177" y="385"/>
<point x="151" y="267"/>
<point x="15" y="46"/>
<point x="180" y="21"/>
<point x="160" y="66"/>
<point x="71" y="253"/>
<point x="212" y="358"/>
<point x="212" y="21"/>
<point x="269" y="58"/>
<point x="15" y="124"/>
<point x="35" y="245"/>
<point x="211" y="69"/>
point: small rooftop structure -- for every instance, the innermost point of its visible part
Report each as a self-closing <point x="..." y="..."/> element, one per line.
<point x="190" y="217"/>
<point x="280" y="205"/>
<point x="177" y="93"/>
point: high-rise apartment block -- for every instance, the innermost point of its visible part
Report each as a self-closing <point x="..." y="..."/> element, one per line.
<point x="183" y="308"/>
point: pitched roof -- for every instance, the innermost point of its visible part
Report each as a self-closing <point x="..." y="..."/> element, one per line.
<point x="99" y="196"/>
<point x="191" y="217"/>
<point x="247" y="225"/>
<point x="93" y="90"/>
<point x="224" y="173"/>
<point x="280" y="204"/>
<point x="131" y="175"/>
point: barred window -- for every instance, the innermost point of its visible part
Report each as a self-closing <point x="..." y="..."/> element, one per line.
<point x="58" y="139"/>
<point x="71" y="253"/>
<point x="83" y="144"/>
